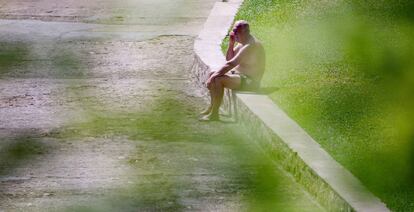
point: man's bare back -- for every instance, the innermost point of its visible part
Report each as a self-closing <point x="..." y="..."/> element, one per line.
<point x="253" y="62"/>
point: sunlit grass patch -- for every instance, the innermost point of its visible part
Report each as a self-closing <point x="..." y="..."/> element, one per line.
<point x="345" y="73"/>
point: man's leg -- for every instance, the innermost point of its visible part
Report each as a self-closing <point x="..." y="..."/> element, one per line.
<point x="208" y="109"/>
<point x="226" y="81"/>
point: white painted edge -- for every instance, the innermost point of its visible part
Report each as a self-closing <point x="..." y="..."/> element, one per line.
<point x="207" y="47"/>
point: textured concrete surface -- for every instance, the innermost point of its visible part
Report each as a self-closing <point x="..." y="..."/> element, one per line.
<point x="98" y="113"/>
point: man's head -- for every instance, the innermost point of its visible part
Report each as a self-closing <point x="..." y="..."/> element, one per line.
<point x="241" y="31"/>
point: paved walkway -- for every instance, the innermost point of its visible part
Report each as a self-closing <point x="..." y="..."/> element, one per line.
<point x="97" y="114"/>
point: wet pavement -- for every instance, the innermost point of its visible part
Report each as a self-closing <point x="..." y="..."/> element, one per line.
<point x="97" y="113"/>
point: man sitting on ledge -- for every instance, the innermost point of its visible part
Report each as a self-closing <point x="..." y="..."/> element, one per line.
<point x="246" y="63"/>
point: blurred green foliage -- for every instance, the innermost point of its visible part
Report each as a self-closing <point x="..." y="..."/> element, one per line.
<point x="178" y="162"/>
<point x="181" y="162"/>
<point x="12" y="55"/>
<point x="18" y="150"/>
<point x="346" y="74"/>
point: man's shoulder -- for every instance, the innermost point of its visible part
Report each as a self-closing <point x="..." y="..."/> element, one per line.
<point x="252" y="46"/>
<point x="258" y="43"/>
<point x="258" y="47"/>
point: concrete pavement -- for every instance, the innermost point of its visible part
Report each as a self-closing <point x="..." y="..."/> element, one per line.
<point x="98" y="114"/>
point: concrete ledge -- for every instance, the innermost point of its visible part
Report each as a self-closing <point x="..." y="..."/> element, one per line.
<point x="278" y="135"/>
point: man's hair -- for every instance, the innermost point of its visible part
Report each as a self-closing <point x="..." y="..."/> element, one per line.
<point x="243" y="25"/>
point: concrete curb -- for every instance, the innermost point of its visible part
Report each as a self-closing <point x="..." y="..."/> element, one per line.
<point x="281" y="137"/>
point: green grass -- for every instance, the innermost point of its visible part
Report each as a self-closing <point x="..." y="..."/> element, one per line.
<point x="345" y="73"/>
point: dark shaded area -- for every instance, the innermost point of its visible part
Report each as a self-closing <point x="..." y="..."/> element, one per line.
<point x="159" y="193"/>
<point x="411" y="160"/>
<point x="18" y="59"/>
<point x="401" y="9"/>
<point x="268" y="90"/>
<point x="67" y="64"/>
<point x="19" y="150"/>
<point x="261" y="90"/>
<point x="12" y="55"/>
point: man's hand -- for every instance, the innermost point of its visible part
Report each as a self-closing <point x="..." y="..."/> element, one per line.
<point x="210" y="81"/>
<point x="211" y="78"/>
<point x="230" y="49"/>
<point x="232" y="38"/>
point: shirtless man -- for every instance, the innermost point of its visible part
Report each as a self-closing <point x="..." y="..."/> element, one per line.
<point x="246" y="64"/>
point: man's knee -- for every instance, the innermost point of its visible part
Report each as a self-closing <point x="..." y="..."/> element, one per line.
<point x="218" y="81"/>
<point x="213" y="84"/>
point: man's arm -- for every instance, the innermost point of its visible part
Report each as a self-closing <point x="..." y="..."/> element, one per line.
<point x="236" y="60"/>
<point x="230" y="50"/>
<point x="230" y="64"/>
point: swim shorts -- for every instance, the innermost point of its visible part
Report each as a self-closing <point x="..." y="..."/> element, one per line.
<point x="248" y="84"/>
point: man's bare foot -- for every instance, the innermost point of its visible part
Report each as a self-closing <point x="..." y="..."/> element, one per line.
<point x="206" y="111"/>
<point x="210" y="117"/>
